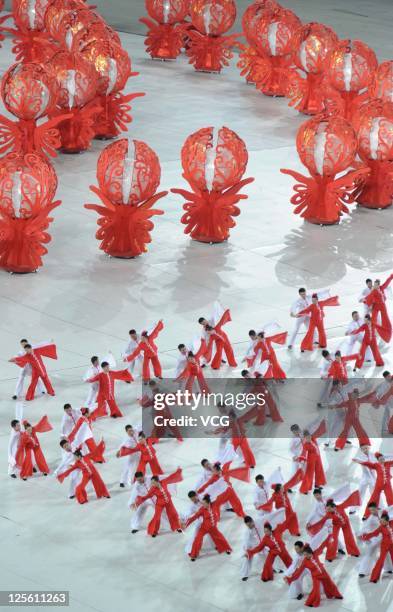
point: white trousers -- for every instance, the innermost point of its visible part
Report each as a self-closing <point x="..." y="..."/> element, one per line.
<point x="128" y="468"/>
<point x="302" y="321"/>
<point x="246" y="564"/>
<point x="139" y="513"/>
<point x="92" y="395"/>
<point x="75" y="477"/>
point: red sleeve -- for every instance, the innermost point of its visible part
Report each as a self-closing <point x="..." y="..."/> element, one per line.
<point x="159" y="327"/>
<point x="173" y="478"/>
<point x="134" y="353"/>
<point x="140" y="499"/>
<point x="332" y="301"/>
<point x="371" y="534"/>
<point x="194" y="517"/>
<point x="202" y="350"/>
<point x="305" y="311"/>
<point x="124" y="450"/>
<point x="226" y="318"/>
<point x="121" y="375"/>
<point x="297" y="477"/>
<point x="93" y="379"/>
<point x="360" y="329"/>
<point x="387" y="282"/>
<point x="298" y="572"/>
<point x="211" y="480"/>
<point x="21" y="361"/>
<point x="48" y="350"/>
<point x="253" y="551"/>
<point x="43" y="425"/>
<point x="349" y="357"/>
<point x="64" y="475"/>
<point x="280" y="338"/>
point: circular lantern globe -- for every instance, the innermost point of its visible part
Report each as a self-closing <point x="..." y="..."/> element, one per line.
<point x="56" y="11"/>
<point x="275" y="31"/>
<point x="251" y="17"/>
<point x="28" y="91"/>
<point x="112" y="64"/>
<point x="382" y="85"/>
<point x="214" y="160"/>
<point x="351" y="66"/>
<point x="312" y="44"/>
<point x="128" y="172"/>
<point x="30" y="14"/>
<point x="213" y="17"/>
<point x="76" y="79"/>
<point x="167" y="11"/>
<point x="374" y="126"/>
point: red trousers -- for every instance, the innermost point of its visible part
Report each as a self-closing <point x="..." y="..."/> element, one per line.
<point x="378" y="567"/>
<point x="113" y="407"/>
<point x="314" y="473"/>
<point x="227" y="348"/>
<point x="33" y="383"/>
<point x="308" y="340"/>
<point x="376" y="494"/>
<point x="154" y="361"/>
<point x="267" y="572"/>
<point x="331" y="591"/>
<point x="352" y="422"/>
<point x="231" y="497"/>
<point x="384" y="322"/>
<point x="248" y="455"/>
<point x="375" y="351"/>
<point x="219" y="540"/>
<point x="201" y="381"/>
<point x="27" y="466"/>
<point x="350" y="542"/>
<point x="98" y="485"/>
<point x="173" y="518"/>
<point x="155" y="467"/>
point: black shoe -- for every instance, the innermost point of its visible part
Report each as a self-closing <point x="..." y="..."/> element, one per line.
<point x="192" y="559"/>
<point x="202" y="366"/>
<point x="228" y="552"/>
<point x="122" y="485"/>
<point x="289" y="491"/>
<point x="229" y="510"/>
<point x="341" y="551"/>
<point x="245" y="579"/>
<point x="34" y="470"/>
<point x="355" y="556"/>
<point x="134" y="531"/>
<point x="352" y="512"/>
<point x="24" y="478"/>
<point x="348" y="442"/>
<point x="154" y="535"/>
<point x="374" y="581"/>
<point x="336" y="450"/>
<point x="13" y="475"/>
<point x="179" y="531"/>
<point x="300" y="596"/>
<point x="72" y="497"/>
<point x="390" y="572"/>
<point x="14" y="397"/>
<point x="45" y="474"/>
<point x="362" y="575"/>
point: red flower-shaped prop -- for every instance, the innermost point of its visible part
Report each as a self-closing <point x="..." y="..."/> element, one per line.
<point x="128" y="174"/>
<point x="382" y="84"/>
<point x="311" y="46"/>
<point x="27" y="186"/>
<point x="350" y="70"/>
<point x="165" y="35"/>
<point x="213" y="165"/>
<point x="327" y="147"/>
<point x="113" y="68"/>
<point x="249" y="56"/>
<point x="274" y="33"/>
<point x="77" y="85"/>
<point x="29" y="93"/>
<point x="208" y="49"/>
<point x="374" y="126"/>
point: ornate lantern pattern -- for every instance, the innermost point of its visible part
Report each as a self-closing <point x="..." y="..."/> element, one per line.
<point x="28" y="184"/>
<point x="113" y="68"/>
<point x="77" y="84"/>
<point x="31" y="42"/>
<point x="274" y="32"/>
<point x="128" y="174"/>
<point x="350" y="70"/>
<point x="382" y="84"/>
<point x="70" y="31"/>
<point x="374" y="126"/>
<point x="327" y="147"/>
<point x="164" y="39"/>
<point x="311" y="44"/>
<point x="29" y="93"/>
<point x="213" y="165"/>
<point x="208" y="49"/>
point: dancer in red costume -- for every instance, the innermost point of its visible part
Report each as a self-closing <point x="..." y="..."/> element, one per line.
<point x="106" y="390"/>
<point x="314" y="474"/>
<point x="208" y="515"/>
<point x="28" y="446"/>
<point x="163" y="501"/>
<point x="148" y="455"/>
<point x="84" y="463"/>
<point x="159" y="429"/>
<point x="341" y="522"/>
<point x="259" y="411"/>
<point x="369" y="340"/>
<point x="272" y="540"/>
<point x="317" y="314"/>
<point x="33" y="357"/>
<point x="279" y="499"/>
<point x="219" y="486"/>
<point x="376" y="300"/>
<point x="264" y="351"/>
<point x="383" y="483"/>
<point x="82" y="433"/>
<point x="338" y="367"/>
<point x="193" y="370"/>
<point x="238" y="438"/>
<point x="147" y="346"/>
<point x="319" y="576"/>
<point x="385" y="531"/>
<point x="217" y="336"/>
<point x="352" y="421"/>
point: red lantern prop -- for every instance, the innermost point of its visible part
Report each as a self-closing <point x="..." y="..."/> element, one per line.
<point x="311" y="46"/>
<point x="382" y="84"/>
<point x="213" y="165"/>
<point x="208" y="49"/>
<point x="56" y="12"/>
<point x="164" y="39"/>
<point x="70" y="31"/>
<point x="374" y="126"/>
<point x="113" y="69"/>
<point x="274" y="33"/>
<point x="350" y="70"/>
<point x="327" y="147"/>
<point x="249" y="57"/>
<point x="29" y="93"/>
<point x="128" y="174"/>
<point x="31" y="43"/>
<point x="77" y="83"/>
<point x="27" y="186"/>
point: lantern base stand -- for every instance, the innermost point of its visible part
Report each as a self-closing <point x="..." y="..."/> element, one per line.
<point x="72" y="151"/>
<point x="163" y="59"/>
<point x="163" y="41"/>
<point x="208" y="240"/>
<point x="210" y="53"/>
<point x="378" y="190"/>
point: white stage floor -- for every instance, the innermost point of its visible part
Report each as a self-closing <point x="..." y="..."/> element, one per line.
<point x="87" y="302"/>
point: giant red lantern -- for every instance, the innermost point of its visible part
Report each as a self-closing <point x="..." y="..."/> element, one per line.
<point x="31" y="42"/>
<point x="164" y="39"/>
<point x="208" y="49"/>
<point x="56" y="11"/>
<point x="70" y="31"/>
<point x="249" y="57"/>
<point x="350" y="69"/>
<point x="77" y="84"/>
<point x="274" y="33"/>
<point x="128" y="173"/>
<point x="113" y="68"/>
<point x="29" y="93"/>
<point x="382" y="83"/>
<point x="27" y="187"/>
<point x="327" y="147"/>
<point x="374" y="126"/>
<point x="213" y="165"/>
<point x="311" y="46"/>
